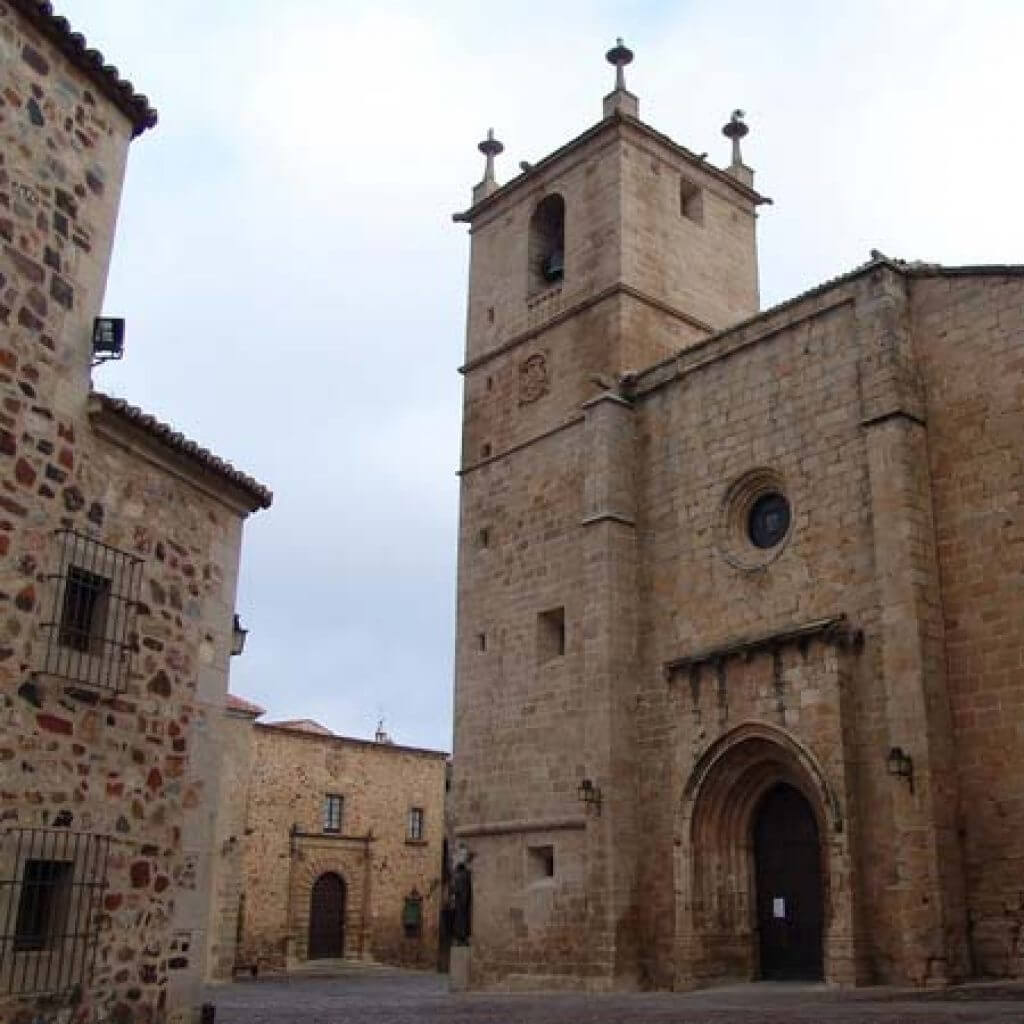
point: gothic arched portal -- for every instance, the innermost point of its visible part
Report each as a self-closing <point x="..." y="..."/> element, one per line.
<point x="756" y="801"/>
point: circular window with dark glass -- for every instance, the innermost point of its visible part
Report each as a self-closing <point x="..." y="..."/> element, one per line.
<point x="768" y="521"/>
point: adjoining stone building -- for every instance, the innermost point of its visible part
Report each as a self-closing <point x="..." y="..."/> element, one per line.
<point x="327" y="847"/>
<point x="119" y="550"/>
<point x="739" y="688"/>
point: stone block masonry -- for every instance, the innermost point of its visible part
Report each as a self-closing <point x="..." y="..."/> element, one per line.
<point x="385" y="844"/>
<point x="119" y="547"/>
<point x="782" y="550"/>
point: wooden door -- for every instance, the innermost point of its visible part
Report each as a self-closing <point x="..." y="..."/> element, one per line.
<point x="790" y="898"/>
<point x="327" y="918"/>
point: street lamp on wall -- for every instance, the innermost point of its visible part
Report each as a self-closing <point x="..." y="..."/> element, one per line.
<point x="589" y="794"/>
<point x="901" y="765"/>
<point x="238" y="635"/>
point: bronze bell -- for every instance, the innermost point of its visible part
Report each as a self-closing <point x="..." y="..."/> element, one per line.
<point x="553" y="266"/>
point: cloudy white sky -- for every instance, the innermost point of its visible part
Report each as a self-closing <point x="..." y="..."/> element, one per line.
<point x="294" y="286"/>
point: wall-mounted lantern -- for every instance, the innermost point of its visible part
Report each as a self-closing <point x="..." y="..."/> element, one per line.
<point x="901" y="765"/>
<point x="238" y="635"/>
<point x="589" y="794"/>
<point x="107" y="339"/>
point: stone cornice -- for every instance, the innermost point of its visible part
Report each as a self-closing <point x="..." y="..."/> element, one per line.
<point x="580" y="306"/>
<point x="835" y="631"/>
<point x="617" y="122"/>
<point x="499" y="828"/>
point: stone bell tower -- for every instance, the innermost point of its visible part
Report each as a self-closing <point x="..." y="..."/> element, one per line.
<point x="613" y="252"/>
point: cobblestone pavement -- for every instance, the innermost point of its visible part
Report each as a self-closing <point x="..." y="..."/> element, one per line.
<point x="406" y="997"/>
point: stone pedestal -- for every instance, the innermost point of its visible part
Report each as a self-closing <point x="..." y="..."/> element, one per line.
<point x="458" y="969"/>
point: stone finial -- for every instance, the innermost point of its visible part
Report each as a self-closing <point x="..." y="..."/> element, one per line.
<point x="620" y="100"/>
<point x="734" y="130"/>
<point x="490" y="148"/>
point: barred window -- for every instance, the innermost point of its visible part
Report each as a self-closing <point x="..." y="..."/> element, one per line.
<point x="95" y="600"/>
<point x="333" y="804"/>
<point x="51" y="884"/>
<point x="415" y="822"/>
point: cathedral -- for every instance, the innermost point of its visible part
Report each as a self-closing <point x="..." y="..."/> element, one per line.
<point x="740" y="652"/>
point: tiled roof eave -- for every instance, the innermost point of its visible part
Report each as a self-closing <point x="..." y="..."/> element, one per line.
<point x="105" y="77"/>
<point x="258" y="495"/>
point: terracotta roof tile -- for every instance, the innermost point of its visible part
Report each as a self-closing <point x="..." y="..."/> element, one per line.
<point x="172" y="438"/>
<point x="106" y="77"/>
<point x="301" y="725"/>
<point x="233" y="703"/>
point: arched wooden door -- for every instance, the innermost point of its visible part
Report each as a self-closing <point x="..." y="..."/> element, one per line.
<point x="327" y="918"/>
<point x="790" y="896"/>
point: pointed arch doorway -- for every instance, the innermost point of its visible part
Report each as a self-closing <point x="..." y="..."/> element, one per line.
<point x="327" y="918"/>
<point x="755" y="805"/>
<point x="788" y="878"/>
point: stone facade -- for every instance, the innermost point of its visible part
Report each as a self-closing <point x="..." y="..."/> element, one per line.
<point x="617" y="622"/>
<point x="275" y="844"/>
<point x="119" y="548"/>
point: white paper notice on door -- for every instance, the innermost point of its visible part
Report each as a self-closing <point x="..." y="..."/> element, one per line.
<point x="779" y="907"/>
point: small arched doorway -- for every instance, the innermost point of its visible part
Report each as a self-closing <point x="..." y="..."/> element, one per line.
<point x="327" y="918"/>
<point x="790" y="898"/>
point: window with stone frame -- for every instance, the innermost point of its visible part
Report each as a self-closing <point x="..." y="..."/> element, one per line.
<point x="417" y="824"/>
<point x="90" y="628"/>
<point x="51" y="885"/>
<point x="334" y="806"/>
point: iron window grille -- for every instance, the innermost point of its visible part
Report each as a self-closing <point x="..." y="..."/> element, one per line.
<point x="51" y="886"/>
<point x="415" y="823"/>
<point x="95" y="602"/>
<point x="333" y="805"/>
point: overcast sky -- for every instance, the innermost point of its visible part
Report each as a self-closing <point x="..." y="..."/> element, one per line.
<point x="294" y="287"/>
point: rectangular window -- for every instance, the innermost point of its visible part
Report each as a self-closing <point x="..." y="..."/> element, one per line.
<point x="43" y="904"/>
<point x="540" y="863"/>
<point x="90" y="635"/>
<point x="51" y="882"/>
<point x="416" y="823"/>
<point x="550" y="635"/>
<point x="83" y="618"/>
<point x="333" y="805"/>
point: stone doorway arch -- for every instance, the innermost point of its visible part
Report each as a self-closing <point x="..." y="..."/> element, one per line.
<point x="717" y="926"/>
<point x="327" y="917"/>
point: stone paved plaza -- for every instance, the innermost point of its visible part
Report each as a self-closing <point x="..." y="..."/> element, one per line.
<point x="394" y="997"/>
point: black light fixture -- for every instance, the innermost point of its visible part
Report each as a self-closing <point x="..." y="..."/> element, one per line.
<point x="107" y="339"/>
<point x="238" y="635"/>
<point x="901" y="765"/>
<point x="589" y="794"/>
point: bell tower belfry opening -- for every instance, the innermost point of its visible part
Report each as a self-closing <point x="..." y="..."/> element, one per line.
<point x="613" y="252"/>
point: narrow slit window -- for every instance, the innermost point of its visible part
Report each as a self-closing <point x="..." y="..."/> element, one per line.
<point x="691" y="201"/>
<point x="550" y="635"/>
